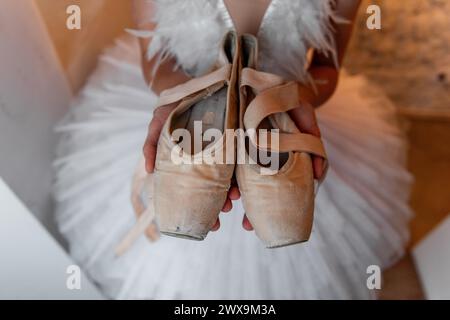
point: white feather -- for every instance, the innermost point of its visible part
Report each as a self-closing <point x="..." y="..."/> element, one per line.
<point x="191" y="31"/>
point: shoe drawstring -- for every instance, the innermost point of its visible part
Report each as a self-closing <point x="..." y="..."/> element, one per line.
<point x="146" y="215"/>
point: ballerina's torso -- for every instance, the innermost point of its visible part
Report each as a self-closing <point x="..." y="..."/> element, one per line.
<point x="247" y="15"/>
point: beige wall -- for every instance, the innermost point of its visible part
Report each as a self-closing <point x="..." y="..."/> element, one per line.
<point x="102" y="21"/>
<point x="410" y="57"/>
<point x="410" y="60"/>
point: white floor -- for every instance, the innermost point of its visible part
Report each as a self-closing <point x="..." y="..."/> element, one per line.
<point x="432" y="260"/>
<point x="33" y="265"/>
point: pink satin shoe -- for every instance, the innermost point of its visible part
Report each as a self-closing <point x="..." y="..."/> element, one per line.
<point x="279" y="202"/>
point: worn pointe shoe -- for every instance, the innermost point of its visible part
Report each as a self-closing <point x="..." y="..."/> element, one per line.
<point x="188" y="197"/>
<point x="279" y="202"/>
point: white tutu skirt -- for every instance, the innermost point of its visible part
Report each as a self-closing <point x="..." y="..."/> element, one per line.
<point x="361" y="216"/>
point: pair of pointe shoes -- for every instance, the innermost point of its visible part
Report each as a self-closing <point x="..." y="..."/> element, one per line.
<point x="188" y="197"/>
<point x="192" y="179"/>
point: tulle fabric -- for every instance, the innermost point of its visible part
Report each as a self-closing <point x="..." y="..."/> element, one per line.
<point x="361" y="212"/>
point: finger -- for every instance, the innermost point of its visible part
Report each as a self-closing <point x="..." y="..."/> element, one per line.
<point x="150" y="156"/>
<point x="246" y="224"/>
<point x="318" y="166"/>
<point x="154" y="131"/>
<point x="152" y="232"/>
<point x="234" y="193"/>
<point x="304" y="118"/>
<point x="216" y="226"/>
<point x="151" y="143"/>
<point x="227" y="206"/>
